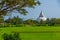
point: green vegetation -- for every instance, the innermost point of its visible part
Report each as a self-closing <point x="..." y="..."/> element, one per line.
<point x="7" y="6"/>
<point x="33" y="33"/>
<point x="27" y="29"/>
<point x="14" y="36"/>
<point x="18" y="22"/>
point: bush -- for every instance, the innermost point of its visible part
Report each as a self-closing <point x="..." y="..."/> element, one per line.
<point x="14" y="36"/>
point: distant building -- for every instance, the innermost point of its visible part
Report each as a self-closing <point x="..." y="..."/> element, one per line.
<point x="41" y="17"/>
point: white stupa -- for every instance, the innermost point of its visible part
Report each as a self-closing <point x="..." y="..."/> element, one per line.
<point x="41" y="17"/>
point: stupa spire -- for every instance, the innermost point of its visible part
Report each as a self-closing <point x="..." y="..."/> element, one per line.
<point x="41" y="17"/>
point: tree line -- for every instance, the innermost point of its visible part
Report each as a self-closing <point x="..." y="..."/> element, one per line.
<point x="19" y="22"/>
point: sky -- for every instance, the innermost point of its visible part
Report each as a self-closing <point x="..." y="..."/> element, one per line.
<point x="50" y="8"/>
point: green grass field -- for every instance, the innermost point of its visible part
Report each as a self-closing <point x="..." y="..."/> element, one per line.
<point x="34" y="33"/>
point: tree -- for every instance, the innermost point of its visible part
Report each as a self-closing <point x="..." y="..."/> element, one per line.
<point x="7" y="6"/>
<point x="42" y="23"/>
<point x="1" y="20"/>
<point x="51" y="22"/>
<point x="48" y="21"/>
<point x="15" y="20"/>
<point x="19" y="5"/>
<point x="31" y="22"/>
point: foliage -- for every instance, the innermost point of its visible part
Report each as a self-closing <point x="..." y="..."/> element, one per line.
<point x="30" y="22"/>
<point x="19" y="5"/>
<point x="42" y="23"/>
<point x="1" y="19"/>
<point x="14" y="36"/>
<point x="15" y="20"/>
<point x="18" y="22"/>
<point x="7" y="6"/>
<point x="53" y="21"/>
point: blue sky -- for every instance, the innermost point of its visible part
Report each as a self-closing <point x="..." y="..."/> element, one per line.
<point x="50" y="8"/>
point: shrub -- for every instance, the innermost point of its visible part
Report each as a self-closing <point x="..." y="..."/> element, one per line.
<point x="14" y="36"/>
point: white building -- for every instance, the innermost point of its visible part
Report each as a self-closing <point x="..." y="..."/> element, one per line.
<point x="41" y="17"/>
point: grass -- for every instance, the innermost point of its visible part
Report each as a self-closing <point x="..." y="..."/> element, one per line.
<point x="34" y="33"/>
